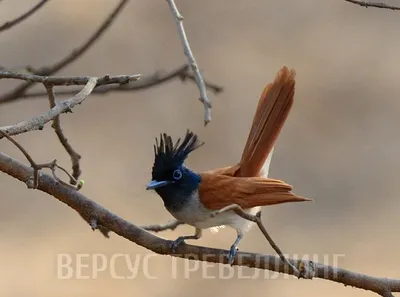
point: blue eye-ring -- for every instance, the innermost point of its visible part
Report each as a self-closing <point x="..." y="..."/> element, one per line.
<point x="177" y="174"/>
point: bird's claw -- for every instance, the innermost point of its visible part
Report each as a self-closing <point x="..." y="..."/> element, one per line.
<point x="174" y="245"/>
<point x="232" y="254"/>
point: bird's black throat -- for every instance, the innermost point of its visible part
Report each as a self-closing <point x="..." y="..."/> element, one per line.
<point x="176" y="195"/>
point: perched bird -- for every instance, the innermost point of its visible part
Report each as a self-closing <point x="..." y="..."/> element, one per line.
<point x="193" y="197"/>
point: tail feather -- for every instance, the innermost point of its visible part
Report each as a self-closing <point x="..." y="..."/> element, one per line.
<point x="243" y="183"/>
<point x="271" y="113"/>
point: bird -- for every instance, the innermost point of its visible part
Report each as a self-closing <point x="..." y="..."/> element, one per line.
<point x="194" y="197"/>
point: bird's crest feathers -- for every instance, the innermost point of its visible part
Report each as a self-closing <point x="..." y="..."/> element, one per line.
<point x="169" y="155"/>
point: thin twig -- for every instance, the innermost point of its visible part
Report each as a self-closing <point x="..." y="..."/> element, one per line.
<point x="145" y="82"/>
<point x="38" y="122"/>
<point x="104" y="219"/>
<point x="36" y="167"/>
<point x="75" y="54"/>
<point x="75" y="157"/>
<point x="257" y="219"/>
<point x="76" y="185"/>
<point x="192" y="62"/>
<point x="69" y="80"/>
<point x="367" y="4"/>
<point x="20" y="147"/>
<point x="10" y="24"/>
<point x="168" y="226"/>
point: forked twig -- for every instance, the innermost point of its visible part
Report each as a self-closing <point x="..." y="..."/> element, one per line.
<point x="146" y="81"/>
<point x="38" y="122"/>
<point x="36" y="167"/>
<point x="69" y="80"/>
<point x="75" y="157"/>
<point x="71" y="57"/>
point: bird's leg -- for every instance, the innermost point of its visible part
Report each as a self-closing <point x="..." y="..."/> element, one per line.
<point x="181" y="239"/>
<point x="234" y="248"/>
<point x="257" y="219"/>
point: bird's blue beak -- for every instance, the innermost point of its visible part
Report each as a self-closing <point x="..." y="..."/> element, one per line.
<point x="154" y="184"/>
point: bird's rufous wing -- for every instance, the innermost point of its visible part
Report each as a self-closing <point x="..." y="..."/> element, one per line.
<point x="217" y="191"/>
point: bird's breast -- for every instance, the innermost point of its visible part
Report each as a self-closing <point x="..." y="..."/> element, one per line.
<point x="194" y="213"/>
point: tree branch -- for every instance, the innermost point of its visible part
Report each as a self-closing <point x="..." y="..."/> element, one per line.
<point x="69" y="80"/>
<point x="75" y="157"/>
<point x="10" y="24"/>
<point x="36" y="167"/>
<point x="367" y="4"/>
<point x="75" y="54"/>
<point x="38" y="122"/>
<point x="53" y="114"/>
<point x="145" y="82"/>
<point x="192" y="62"/>
<point x="98" y="216"/>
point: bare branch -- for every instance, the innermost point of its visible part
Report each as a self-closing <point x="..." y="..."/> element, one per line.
<point x="145" y="82"/>
<point x="38" y="122"/>
<point x="209" y="85"/>
<point x="69" y="80"/>
<point x="99" y="217"/>
<point x="10" y="24"/>
<point x="192" y="62"/>
<point x="75" y="54"/>
<point x="20" y="147"/>
<point x="54" y="166"/>
<point x="36" y="167"/>
<point x="75" y="157"/>
<point x="168" y="226"/>
<point x="367" y="4"/>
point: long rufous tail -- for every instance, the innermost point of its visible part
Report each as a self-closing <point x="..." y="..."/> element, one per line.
<point x="271" y="113"/>
<point x="242" y="184"/>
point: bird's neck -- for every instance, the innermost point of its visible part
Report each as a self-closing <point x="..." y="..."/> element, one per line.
<point x="176" y="195"/>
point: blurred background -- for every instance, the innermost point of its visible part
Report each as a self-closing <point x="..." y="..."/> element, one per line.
<point x="339" y="146"/>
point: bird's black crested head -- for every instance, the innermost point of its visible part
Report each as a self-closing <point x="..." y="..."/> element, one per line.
<point x="174" y="182"/>
<point x="169" y="156"/>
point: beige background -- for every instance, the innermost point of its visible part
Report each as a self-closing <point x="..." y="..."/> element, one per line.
<point x="339" y="146"/>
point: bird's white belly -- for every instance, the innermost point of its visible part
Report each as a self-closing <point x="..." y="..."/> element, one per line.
<point x="195" y="214"/>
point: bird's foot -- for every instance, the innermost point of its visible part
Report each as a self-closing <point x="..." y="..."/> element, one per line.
<point x="232" y="254"/>
<point x="174" y="245"/>
<point x="214" y="213"/>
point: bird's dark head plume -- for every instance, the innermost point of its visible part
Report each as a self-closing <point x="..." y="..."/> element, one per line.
<point x="169" y="156"/>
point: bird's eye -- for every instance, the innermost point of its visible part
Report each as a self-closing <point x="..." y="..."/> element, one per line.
<point x="177" y="174"/>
